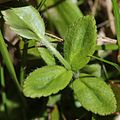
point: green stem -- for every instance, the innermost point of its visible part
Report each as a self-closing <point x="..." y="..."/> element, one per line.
<point x="4" y="98"/>
<point x="23" y="62"/>
<point x="107" y="47"/>
<point x="56" y="53"/>
<point x="7" y="61"/>
<point x="117" y="24"/>
<point x="105" y="71"/>
<point x="108" y="62"/>
<point x="117" y="19"/>
<point x="10" y="67"/>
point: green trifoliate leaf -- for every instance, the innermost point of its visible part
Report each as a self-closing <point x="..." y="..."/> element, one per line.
<point x="94" y="95"/>
<point x="25" y="21"/>
<point x="46" y="81"/>
<point x="80" y="42"/>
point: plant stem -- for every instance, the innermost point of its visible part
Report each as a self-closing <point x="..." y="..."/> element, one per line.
<point x="108" y="62"/>
<point x="10" y="67"/>
<point x="23" y="62"/>
<point x="117" y="23"/>
<point x="4" y="98"/>
<point x="7" y="61"/>
<point x="117" y="19"/>
<point x="51" y="6"/>
<point x="107" y="47"/>
<point x="56" y="53"/>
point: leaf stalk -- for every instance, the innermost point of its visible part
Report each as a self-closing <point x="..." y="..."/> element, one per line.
<point x="56" y="53"/>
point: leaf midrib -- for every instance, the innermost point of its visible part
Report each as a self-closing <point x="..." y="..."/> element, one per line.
<point x="72" y="56"/>
<point x="94" y="92"/>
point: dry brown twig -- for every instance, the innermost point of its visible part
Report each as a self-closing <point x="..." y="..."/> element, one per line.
<point x="110" y="15"/>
